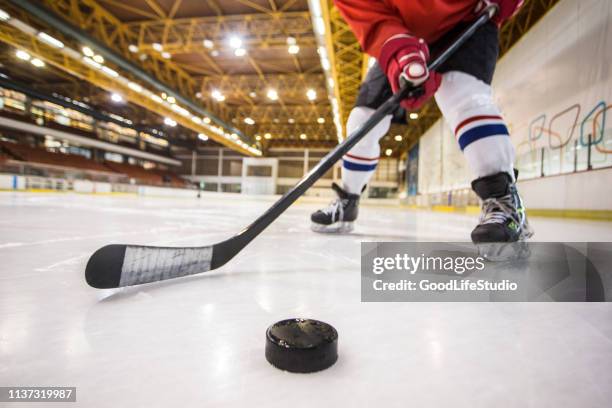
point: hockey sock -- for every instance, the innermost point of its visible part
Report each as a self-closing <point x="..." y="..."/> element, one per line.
<point x="480" y="130"/>
<point x="359" y="164"/>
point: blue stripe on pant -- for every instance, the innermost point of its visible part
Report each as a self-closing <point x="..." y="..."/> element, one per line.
<point x="358" y="166"/>
<point x="480" y="132"/>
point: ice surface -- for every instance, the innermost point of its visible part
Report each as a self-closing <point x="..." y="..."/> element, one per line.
<point x="199" y="341"/>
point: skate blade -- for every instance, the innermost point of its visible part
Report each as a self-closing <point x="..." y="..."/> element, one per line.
<point x="504" y="251"/>
<point x="342" y="227"/>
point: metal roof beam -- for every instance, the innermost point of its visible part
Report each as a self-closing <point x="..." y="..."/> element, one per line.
<point x="104" y="48"/>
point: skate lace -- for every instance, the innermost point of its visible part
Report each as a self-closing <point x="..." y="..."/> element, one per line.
<point x="499" y="210"/>
<point x="335" y="209"/>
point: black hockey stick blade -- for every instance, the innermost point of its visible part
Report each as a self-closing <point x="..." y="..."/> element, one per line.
<point x="115" y="266"/>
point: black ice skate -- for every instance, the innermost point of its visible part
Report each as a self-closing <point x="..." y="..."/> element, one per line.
<point x="502" y="227"/>
<point x="339" y="215"/>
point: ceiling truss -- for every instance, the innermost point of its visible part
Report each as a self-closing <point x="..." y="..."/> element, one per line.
<point x="263" y="27"/>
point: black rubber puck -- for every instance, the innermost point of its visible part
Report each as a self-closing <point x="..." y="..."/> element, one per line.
<point x="301" y="345"/>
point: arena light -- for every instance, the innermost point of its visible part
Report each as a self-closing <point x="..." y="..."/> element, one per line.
<point x="135" y="87"/>
<point x="291" y="41"/>
<point x="272" y="94"/>
<point x="38" y="63"/>
<point x="54" y="42"/>
<point x="169" y="122"/>
<point x="133" y="48"/>
<point x="320" y="29"/>
<point x="110" y="72"/>
<point x="157" y="47"/>
<point x="303" y="136"/>
<point x="325" y="63"/>
<point x="4" y="16"/>
<point x="217" y="95"/>
<point x="388" y="152"/>
<point x="22" y="55"/>
<point x="319" y="24"/>
<point x="166" y="55"/>
<point x="252" y="94"/>
<point x="98" y="58"/>
<point x="240" y="52"/>
<point x="88" y="52"/>
<point x="171" y="99"/>
<point x="202" y="137"/>
<point x="321" y="120"/>
<point x="293" y="49"/>
<point x="92" y="63"/>
<point x="311" y="94"/>
<point x="398" y="138"/>
<point x="115" y="97"/>
<point x="235" y="42"/>
<point x="180" y="110"/>
<point x="414" y="115"/>
<point x="206" y="120"/>
<point x="208" y="44"/>
<point x="268" y="136"/>
<point x="249" y="121"/>
<point x="257" y="137"/>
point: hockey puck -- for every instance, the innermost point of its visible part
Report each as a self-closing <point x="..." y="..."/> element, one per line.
<point x="301" y="345"/>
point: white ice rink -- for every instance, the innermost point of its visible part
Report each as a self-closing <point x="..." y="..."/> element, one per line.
<point x="199" y="341"/>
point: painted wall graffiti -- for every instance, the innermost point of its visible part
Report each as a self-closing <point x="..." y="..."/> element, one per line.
<point x="573" y="139"/>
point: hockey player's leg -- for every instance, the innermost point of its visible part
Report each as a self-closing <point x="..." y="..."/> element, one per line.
<point x="468" y="107"/>
<point x="358" y="166"/>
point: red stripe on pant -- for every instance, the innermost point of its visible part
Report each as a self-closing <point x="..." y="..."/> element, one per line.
<point x="474" y="119"/>
<point x="361" y="158"/>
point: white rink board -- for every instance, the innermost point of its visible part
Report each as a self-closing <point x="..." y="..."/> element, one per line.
<point x="86" y="186"/>
<point x="150" y="191"/>
<point x="7" y="181"/>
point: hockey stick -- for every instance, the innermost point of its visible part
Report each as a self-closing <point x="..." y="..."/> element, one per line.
<point x="115" y="266"/>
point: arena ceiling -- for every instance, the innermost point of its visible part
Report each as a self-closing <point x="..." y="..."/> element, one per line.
<point x="256" y="65"/>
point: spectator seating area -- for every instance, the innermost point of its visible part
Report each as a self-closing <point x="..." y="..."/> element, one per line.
<point x="135" y="172"/>
<point x="39" y="155"/>
<point x="171" y="178"/>
<point x="154" y="177"/>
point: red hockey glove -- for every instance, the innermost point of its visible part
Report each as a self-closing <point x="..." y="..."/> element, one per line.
<point x="506" y="9"/>
<point x="404" y="58"/>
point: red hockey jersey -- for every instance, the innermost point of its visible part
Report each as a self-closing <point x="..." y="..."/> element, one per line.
<point x="374" y="21"/>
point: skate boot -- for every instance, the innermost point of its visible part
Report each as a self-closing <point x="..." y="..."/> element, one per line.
<point x="502" y="227"/>
<point x="339" y="216"/>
